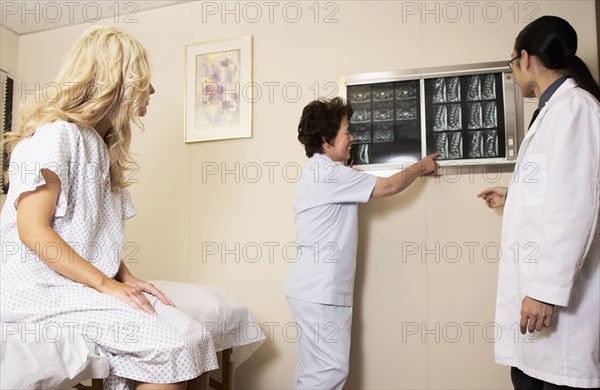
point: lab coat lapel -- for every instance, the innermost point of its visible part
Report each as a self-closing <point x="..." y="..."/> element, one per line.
<point x="567" y="85"/>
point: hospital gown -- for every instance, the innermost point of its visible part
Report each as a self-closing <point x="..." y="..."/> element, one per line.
<point x="164" y="348"/>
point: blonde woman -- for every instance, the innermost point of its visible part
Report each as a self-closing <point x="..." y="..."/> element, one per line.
<point x="62" y="222"/>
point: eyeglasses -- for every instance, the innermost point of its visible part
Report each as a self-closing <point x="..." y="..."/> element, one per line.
<point x="509" y="63"/>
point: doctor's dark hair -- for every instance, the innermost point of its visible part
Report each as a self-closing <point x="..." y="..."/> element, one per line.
<point x="554" y="42"/>
<point x="320" y="121"/>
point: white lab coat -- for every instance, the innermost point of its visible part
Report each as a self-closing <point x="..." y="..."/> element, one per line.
<point x="551" y="246"/>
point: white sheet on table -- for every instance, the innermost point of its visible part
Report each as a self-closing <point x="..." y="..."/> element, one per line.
<point x="36" y="357"/>
<point x="229" y="322"/>
<point x="30" y="361"/>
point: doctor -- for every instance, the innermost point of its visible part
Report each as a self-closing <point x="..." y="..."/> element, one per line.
<point x="549" y="276"/>
<point x="320" y="283"/>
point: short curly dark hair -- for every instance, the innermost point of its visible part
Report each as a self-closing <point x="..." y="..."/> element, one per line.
<point x="320" y="122"/>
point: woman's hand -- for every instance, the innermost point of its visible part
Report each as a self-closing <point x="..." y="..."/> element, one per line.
<point x="132" y="295"/>
<point x="148" y="287"/>
<point x="494" y="197"/>
<point x="127" y="287"/>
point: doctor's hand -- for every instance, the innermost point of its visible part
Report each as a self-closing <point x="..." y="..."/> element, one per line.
<point x="494" y="197"/>
<point x="535" y="315"/>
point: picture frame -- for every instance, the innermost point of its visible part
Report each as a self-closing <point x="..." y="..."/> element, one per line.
<point x="218" y="90"/>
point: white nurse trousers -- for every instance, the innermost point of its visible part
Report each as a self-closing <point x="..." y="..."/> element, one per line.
<point x="323" y="344"/>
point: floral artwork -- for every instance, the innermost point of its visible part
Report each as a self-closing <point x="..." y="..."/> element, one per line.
<point x="216" y="75"/>
<point x="218" y="89"/>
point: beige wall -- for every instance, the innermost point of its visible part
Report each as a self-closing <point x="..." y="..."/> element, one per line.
<point x="8" y="50"/>
<point x="9" y="44"/>
<point x="422" y="320"/>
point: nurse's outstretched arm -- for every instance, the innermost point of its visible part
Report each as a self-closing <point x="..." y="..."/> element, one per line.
<point x="387" y="186"/>
<point x="35" y="212"/>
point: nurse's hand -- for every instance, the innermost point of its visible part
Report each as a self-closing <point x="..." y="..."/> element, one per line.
<point x="428" y="165"/>
<point x="494" y="197"/>
<point x="535" y="315"/>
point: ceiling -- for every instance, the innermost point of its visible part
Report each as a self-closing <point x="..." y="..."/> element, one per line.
<point x="26" y="17"/>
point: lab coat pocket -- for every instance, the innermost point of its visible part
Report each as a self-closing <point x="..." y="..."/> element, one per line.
<point x="533" y="174"/>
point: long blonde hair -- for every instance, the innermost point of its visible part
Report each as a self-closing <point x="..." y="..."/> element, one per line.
<point x="107" y="75"/>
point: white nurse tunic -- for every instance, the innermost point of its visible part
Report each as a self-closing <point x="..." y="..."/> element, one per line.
<point x="326" y="212"/>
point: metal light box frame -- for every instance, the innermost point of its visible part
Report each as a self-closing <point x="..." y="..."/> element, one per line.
<point x="513" y="106"/>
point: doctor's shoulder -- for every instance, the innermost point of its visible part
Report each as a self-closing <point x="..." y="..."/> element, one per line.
<point x="576" y="103"/>
<point x="585" y="100"/>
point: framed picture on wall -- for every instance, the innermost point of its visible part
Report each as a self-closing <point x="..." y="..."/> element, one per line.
<point x="218" y="90"/>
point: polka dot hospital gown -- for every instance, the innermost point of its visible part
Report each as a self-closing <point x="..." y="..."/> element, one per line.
<point x="164" y="348"/>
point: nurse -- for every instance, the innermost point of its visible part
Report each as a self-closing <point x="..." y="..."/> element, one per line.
<point x="549" y="276"/>
<point x="320" y="283"/>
